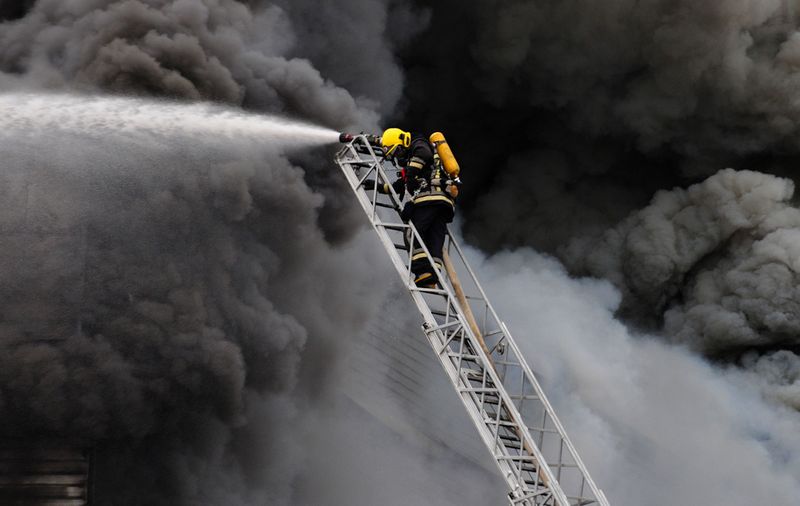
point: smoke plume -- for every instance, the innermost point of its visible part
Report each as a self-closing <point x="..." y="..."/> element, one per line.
<point x="594" y="108"/>
<point x="609" y="126"/>
<point x="655" y="423"/>
<point x="173" y="303"/>
<point x="597" y="133"/>
<point x="181" y="305"/>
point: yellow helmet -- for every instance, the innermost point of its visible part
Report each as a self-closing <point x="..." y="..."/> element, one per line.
<point x="393" y="138"/>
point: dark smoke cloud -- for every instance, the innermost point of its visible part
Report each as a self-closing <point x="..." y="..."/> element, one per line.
<point x="13" y="9"/>
<point x="146" y="301"/>
<point x="367" y="35"/>
<point x="593" y="108"/>
<point x="185" y="310"/>
<point x="650" y="253"/>
<point x="176" y="306"/>
<point x="717" y="260"/>
<point x="268" y="56"/>
<point x="215" y="50"/>
<point x="579" y="114"/>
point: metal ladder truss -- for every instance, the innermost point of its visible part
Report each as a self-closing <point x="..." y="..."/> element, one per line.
<point x="497" y="387"/>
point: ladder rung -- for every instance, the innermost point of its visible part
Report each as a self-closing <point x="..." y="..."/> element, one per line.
<point x="479" y="380"/>
<point x="491" y="400"/>
<point x="516" y="458"/>
<point x="564" y="466"/>
<point x="524" y="397"/>
<point x="508" y="437"/>
<point x="454" y="323"/>
<point x="465" y="357"/>
<point x="392" y="226"/>
<point x="534" y="497"/>
<point x="515" y="445"/>
<point x="401" y="246"/>
<point x="477" y="375"/>
<point x="479" y="390"/>
<point x="501" y="420"/>
<point x="538" y="429"/>
<point x="581" y="501"/>
<point x="432" y="291"/>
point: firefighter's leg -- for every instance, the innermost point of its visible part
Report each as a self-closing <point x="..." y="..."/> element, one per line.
<point x="435" y="220"/>
<point x="422" y="218"/>
<point x="436" y="233"/>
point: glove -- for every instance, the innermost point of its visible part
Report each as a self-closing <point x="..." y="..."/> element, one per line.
<point x="407" y="212"/>
<point x="369" y="184"/>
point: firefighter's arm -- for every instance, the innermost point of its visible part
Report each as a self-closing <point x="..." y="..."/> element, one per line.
<point x="420" y="156"/>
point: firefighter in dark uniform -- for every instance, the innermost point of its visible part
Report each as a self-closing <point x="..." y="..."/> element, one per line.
<point x="432" y="197"/>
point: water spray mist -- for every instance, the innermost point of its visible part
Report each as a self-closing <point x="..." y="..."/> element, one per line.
<point x="27" y="113"/>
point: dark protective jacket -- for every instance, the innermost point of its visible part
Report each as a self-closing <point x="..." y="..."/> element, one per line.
<point x="426" y="183"/>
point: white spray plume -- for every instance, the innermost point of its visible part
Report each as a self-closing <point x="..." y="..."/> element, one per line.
<point x="655" y="424"/>
<point x="136" y="118"/>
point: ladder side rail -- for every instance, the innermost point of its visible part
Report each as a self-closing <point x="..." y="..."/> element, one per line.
<point x="531" y="447"/>
<point x="477" y="397"/>
<point x="528" y="372"/>
<point x="369" y="204"/>
<point x="548" y="410"/>
<point x="369" y="207"/>
<point x="504" y="458"/>
<point x="506" y="466"/>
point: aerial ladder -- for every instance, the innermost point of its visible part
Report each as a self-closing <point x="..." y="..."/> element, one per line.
<point x="494" y="382"/>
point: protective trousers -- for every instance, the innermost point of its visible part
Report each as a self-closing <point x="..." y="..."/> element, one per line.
<point x="431" y="223"/>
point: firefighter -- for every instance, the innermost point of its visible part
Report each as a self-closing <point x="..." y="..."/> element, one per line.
<point x="432" y="197"/>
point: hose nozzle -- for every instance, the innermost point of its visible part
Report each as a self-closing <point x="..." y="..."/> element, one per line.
<point x="375" y="140"/>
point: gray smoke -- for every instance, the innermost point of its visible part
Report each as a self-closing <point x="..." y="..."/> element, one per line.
<point x="597" y="133"/>
<point x="716" y="262"/>
<point x="777" y="374"/>
<point x="261" y="55"/>
<point x="174" y="296"/>
<point x="175" y="304"/>
<point x="747" y="300"/>
<point x="184" y="305"/>
<point x="606" y="120"/>
<point x="655" y="423"/>
<point x="215" y="50"/>
<point x="593" y="108"/>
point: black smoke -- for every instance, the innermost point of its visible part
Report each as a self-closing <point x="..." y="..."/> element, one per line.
<point x="175" y="305"/>
<point x="585" y="111"/>
<point x="571" y="118"/>
<point x="182" y="308"/>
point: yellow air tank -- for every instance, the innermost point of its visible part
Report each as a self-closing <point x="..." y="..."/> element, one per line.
<point x="445" y="154"/>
